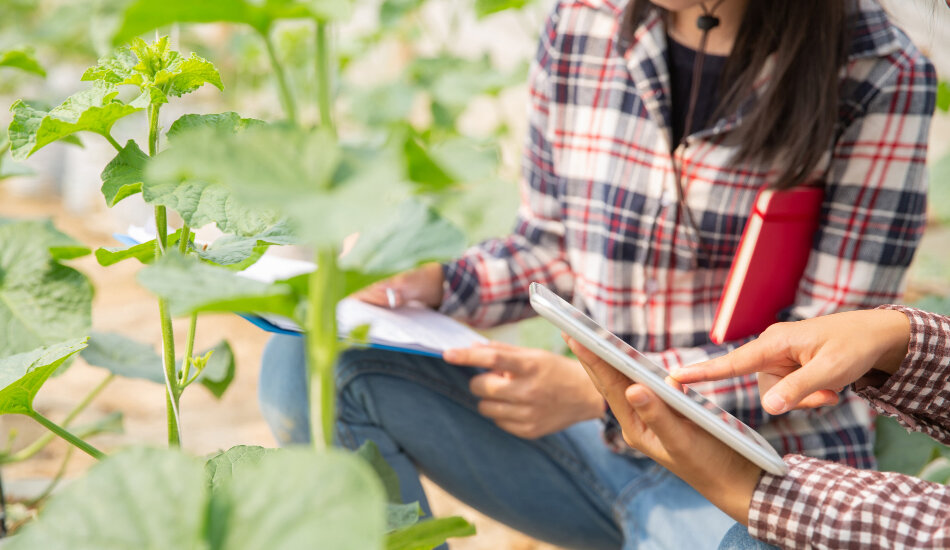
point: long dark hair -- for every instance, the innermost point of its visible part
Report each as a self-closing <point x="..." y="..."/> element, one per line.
<point x="795" y="119"/>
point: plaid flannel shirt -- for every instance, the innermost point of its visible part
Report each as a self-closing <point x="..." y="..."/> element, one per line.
<point x="825" y="505"/>
<point x="599" y="221"/>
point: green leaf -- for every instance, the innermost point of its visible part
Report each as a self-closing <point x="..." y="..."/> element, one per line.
<point x="190" y="286"/>
<point x="143" y="252"/>
<point x="22" y="375"/>
<point x="146" y="15"/>
<point x="92" y="110"/>
<point x="488" y="7"/>
<point x="938" y="471"/>
<point x="147" y="499"/>
<point x="133" y="359"/>
<point x="122" y="177"/>
<point x="943" y="96"/>
<point x="898" y="450"/>
<point x="124" y="357"/>
<point x="429" y="534"/>
<point x="422" y="168"/>
<point x="229" y="122"/>
<point x="413" y="235"/>
<point x="222" y="467"/>
<point x="369" y="452"/>
<point x="297" y="173"/>
<point x="295" y="499"/>
<point x="41" y="300"/>
<point x="23" y="59"/>
<point x="400" y="516"/>
<point x="237" y="252"/>
<point x="219" y="372"/>
<point x="392" y="11"/>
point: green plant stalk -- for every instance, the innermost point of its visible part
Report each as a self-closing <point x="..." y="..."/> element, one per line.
<point x="172" y="393"/>
<point x="60" y="473"/>
<point x="65" y="434"/>
<point x="112" y="142"/>
<point x="325" y="290"/>
<point x="193" y="323"/>
<point x="286" y="95"/>
<point x="42" y="442"/>
<point x="324" y="77"/>
<point x="183" y="378"/>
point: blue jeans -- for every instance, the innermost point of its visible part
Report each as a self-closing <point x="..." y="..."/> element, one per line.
<point x="738" y="538"/>
<point x="566" y="488"/>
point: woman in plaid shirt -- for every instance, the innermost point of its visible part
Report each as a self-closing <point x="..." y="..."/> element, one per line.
<point x="897" y="358"/>
<point x="633" y="203"/>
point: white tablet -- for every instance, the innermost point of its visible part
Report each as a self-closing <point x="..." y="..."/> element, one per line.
<point x="725" y="427"/>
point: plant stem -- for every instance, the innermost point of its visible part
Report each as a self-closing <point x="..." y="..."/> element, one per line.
<point x="62" y="432"/>
<point x="168" y="336"/>
<point x="183" y="378"/>
<point x="325" y="291"/>
<point x="324" y="77"/>
<point x="286" y="95"/>
<point x="112" y="141"/>
<point x="42" y="442"/>
<point x="54" y="482"/>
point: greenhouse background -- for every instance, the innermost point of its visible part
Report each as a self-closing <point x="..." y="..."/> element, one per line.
<point x="450" y="73"/>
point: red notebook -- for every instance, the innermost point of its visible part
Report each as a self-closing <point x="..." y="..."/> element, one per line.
<point x="769" y="262"/>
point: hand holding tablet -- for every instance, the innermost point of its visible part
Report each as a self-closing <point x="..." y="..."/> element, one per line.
<point x="635" y="366"/>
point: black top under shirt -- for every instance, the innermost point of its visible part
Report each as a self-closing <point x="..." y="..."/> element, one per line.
<point x="680" y="60"/>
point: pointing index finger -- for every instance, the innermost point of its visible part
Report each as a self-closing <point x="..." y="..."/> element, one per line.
<point x="484" y="356"/>
<point x="757" y="355"/>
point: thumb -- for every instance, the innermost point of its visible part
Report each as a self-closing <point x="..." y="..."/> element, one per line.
<point x="653" y="411"/>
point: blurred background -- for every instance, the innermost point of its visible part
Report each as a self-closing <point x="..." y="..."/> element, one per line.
<point x="452" y="71"/>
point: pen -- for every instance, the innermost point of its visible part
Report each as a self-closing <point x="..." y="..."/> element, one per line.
<point x="391" y="298"/>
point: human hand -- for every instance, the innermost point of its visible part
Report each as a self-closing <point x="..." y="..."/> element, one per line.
<point x="423" y="284"/>
<point x="805" y="363"/>
<point x="714" y="469"/>
<point x="528" y="392"/>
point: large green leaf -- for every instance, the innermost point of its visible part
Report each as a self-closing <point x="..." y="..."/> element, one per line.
<point x="326" y="194"/>
<point x="898" y="450"/>
<point x="413" y="235"/>
<point x="41" y="300"/>
<point x="296" y="499"/>
<point x="221" y="468"/>
<point x="229" y="122"/>
<point x="369" y="452"/>
<point x="23" y="59"/>
<point x="123" y="356"/>
<point x="22" y="375"/>
<point x="190" y="286"/>
<point x="429" y="534"/>
<point x="150" y="499"/>
<point x="146" y="15"/>
<point x="122" y="177"/>
<point x="146" y="499"/>
<point x="132" y="359"/>
<point x="94" y="109"/>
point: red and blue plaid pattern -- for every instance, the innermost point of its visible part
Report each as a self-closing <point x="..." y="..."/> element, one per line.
<point x="825" y="505"/>
<point x="599" y="221"/>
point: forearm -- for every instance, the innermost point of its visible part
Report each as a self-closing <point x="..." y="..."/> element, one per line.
<point x="822" y="504"/>
<point x="918" y="394"/>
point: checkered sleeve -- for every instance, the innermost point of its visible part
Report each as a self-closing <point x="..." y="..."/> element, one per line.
<point x="918" y="394"/>
<point x="488" y="285"/>
<point x="821" y="504"/>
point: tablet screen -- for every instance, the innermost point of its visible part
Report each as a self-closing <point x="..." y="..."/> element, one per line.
<point x="649" y="368"/>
